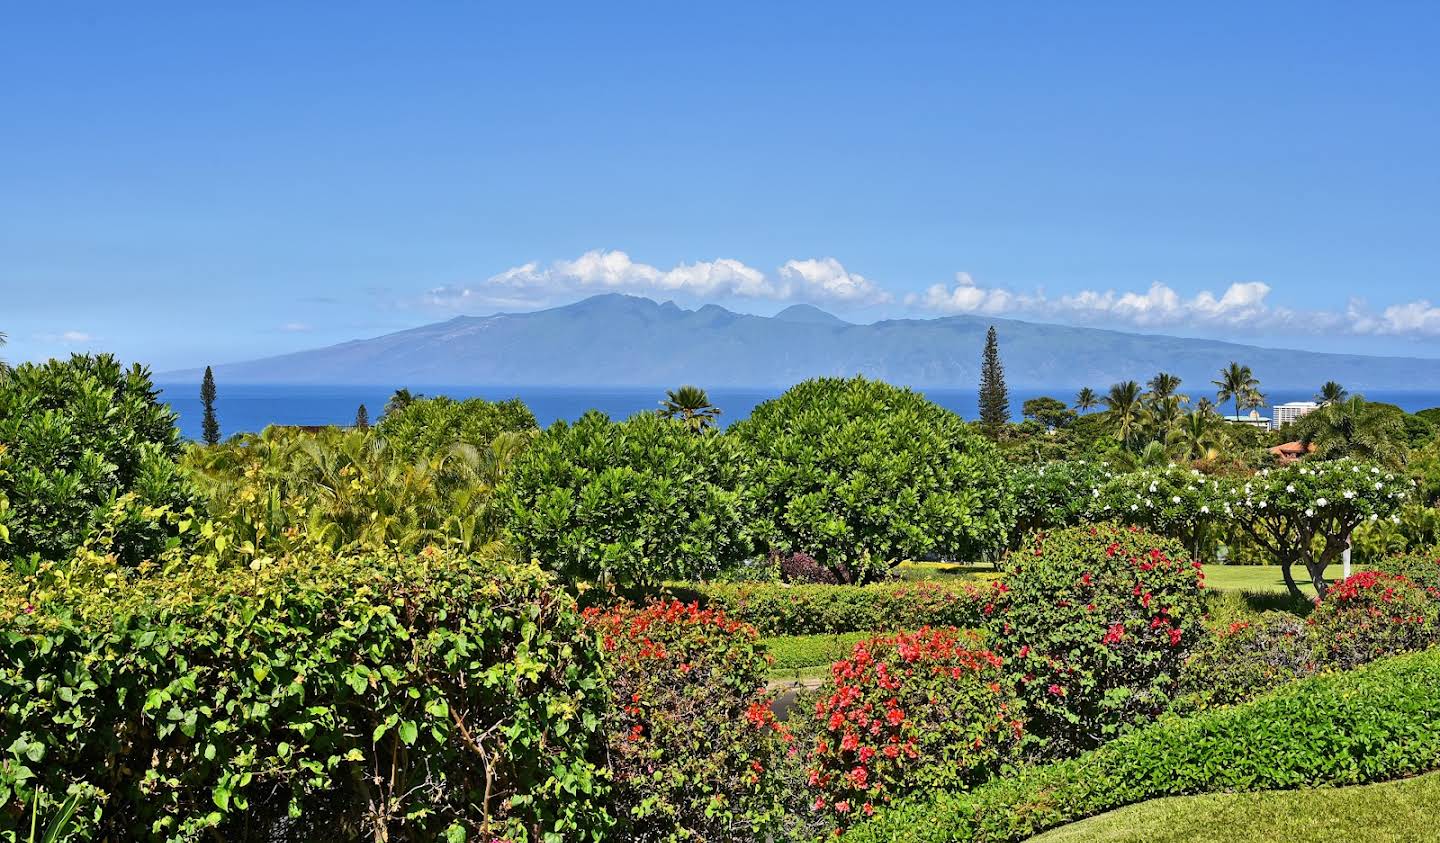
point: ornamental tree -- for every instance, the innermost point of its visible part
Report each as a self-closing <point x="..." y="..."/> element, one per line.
<point x="639" y="501"/>
<point x="416" y="427"/>
<point x="1177" y="502"/>
<point x="1307" y="512"/>
<point x="1057" y="494"/>
<point x="861" y="475"/>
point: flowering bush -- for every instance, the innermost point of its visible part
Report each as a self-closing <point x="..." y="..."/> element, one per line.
<point x="1057" y="494"/>
<point x="802" y="568"/>
<point x="1246" y="658"/>
<point x="693" y="742"/>
<point x="1180" y="503"/>
<point x="1370" y="615"/>
<point x="1094" y="623"/>
<point x="925" y="708"/>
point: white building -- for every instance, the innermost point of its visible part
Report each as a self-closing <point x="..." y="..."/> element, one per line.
<point x="1254" y="420"/>
<point x="1286" y="413"/>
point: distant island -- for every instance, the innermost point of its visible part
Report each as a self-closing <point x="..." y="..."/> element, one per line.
<point x="620" y="340"/>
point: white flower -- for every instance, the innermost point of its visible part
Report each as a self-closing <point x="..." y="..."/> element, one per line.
<point x="1349" y="494"/>
<point x="1310" y="513"/>
<point x="1322" y="502"/>
<point x="1134" y="508"/>
<point x="1374" y="517"/>
<point x="1204" y="510"/>
<point x="1290" y="488"/>
<point x="1175" y="499"/>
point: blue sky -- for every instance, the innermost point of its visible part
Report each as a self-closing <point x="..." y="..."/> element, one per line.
<point x="192" y="183"/>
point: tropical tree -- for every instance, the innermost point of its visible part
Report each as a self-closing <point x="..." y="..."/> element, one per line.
<point x="362" y="418"/>
<point x="1355" y="428"/>
<point x="1050" y="412"/>
<point x="1123" y="408"/>
<point x="691" y="405"/>
<point x="1199" y="436"/>
<point x="994" y="397"/>
<point x="209" y="426"/>
<point x="1239" y="384"/>
<point x="1086" y="400"/>
<point x="417" y="426"/>
<point x="1163" y="414"/>
<point x="1331" y="393"/>
<point x="1165" y="385"/>
<point x="400" y="400"/>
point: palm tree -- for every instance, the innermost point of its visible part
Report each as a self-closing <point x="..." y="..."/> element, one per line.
<point x="1086" y="400"/>
<point x="691" y="405"/>
<point x="1239" y="383"/>
<point x="1199" y="435"/>
<point x="400" y="400"/>
<point x="1164" y="385"/>
<point x="1355" y="428"/>
<point x="1331" y="393"/>
<point x="1162" y="414"/>
<point x="1122" y="405"/>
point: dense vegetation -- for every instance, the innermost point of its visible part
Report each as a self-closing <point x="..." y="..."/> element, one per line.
<point x="452" y="625"/>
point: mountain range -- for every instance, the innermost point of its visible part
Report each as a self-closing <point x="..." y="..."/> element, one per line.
<point x="620" y="340"/>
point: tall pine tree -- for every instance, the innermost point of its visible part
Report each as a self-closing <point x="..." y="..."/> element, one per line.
<point x="994" y="397"/>
<point x="210" y="427"/>
<point x="362" y="418"/>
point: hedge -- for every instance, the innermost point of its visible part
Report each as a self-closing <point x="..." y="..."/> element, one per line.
<point x="1368" y="725"/>
<point x="795" y="652"/>
<point x="812" y="609"/>
<point x="422" y="697"/>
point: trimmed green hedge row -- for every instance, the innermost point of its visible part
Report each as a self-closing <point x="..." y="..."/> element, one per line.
<point x="811" y="609"/>
<point x="1372" y="724"/>
<point x="793" y="652"/>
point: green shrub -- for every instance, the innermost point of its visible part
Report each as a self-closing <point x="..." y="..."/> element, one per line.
<point x="1246" y="658"/>
<point x="795" y="652"/>
<point x="641" y="500"/>
<point x="813" y="609"/>
<point x="1374" y="724"/>
<point x="85" y="442"/>
<point x="692" y="740"/>
<point x="1057" y="494"/>
<point x="1421" y="567"/>
<point x="1370" y="615"/>
<point x="928" y="708"/>
<point x="420" y="698"/>
<point x="429" y="427"/>
<point x="1095" y="622"/>
<point x="863" y="474"/>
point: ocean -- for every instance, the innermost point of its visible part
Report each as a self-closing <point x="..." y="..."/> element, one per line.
<point x="246" y="408"/>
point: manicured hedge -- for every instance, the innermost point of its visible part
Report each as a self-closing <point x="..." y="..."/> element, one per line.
<point x="422" y="697"/>
<point x="811" y="609"/>
<point x="1368" y="725"/>
<point x="793" y="652"/>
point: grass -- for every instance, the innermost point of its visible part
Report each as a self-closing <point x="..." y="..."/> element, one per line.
<point x="1394" y="811"/>
<point x="809" y="656"/>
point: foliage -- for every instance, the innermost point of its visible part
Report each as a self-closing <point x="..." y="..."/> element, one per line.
<point x="994" y="397"/>
<point x="286" y="490"/>
<point x="1370" y="615"/>
<point x="428" y="697"/>
<point x="415" y="427"/>
<point x="1307" y="512"/>
<point x="1176" y="502"/>
<point x="1050" y="412"/>
<point x="691" y="405"/>
<point x="692" y="740"/>
<point x="1057" y="494"/>
<point x="1246" y="658"/>
<point x="1086" y="400"/>
<point x="85" y="444"/>
<point x="814" y="609"/>
<point x="1421" y="567"/>
<point x="802" y="568"/>
<point x="1237" y="383"/>
<point x="641" y="501"/>
<point x="864" y="474"/>
<point x="1095" y="622"/>
<point x="907" y="710"/>
<point x="1354" y="428"/>
<point x="1373" y="724"/>
<point x="362" y="418"/>
<point x="209" y="425"/>
<point x="1123" y="411"/>
<point x="795" y="652"/>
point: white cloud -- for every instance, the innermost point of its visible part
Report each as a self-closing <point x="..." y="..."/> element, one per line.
<point x="75" y="337"/>
<point x="295" y="327"/>
<point x="818" y="279"/>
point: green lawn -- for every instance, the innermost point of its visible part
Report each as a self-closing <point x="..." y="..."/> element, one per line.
<point x="809" y="656"/>
<point x="1377" y="813"/>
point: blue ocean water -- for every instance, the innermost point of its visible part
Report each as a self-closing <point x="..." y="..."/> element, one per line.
<point x="244" y="408"/>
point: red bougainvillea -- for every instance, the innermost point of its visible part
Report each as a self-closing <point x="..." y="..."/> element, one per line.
<point x="929" y="707"/>
<point x="1372" y="614"/>
<point x="693" y="742"/>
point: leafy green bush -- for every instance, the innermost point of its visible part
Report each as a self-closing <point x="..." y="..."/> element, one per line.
<point x="1180" y="503"/>
<point x="426" y="697"/>
<point x="430" y="427"/>
<point x="692" y="740"/>
<point x="864" y="474"/>
<point x="1421" y="567"/>
<point x="1057" y="494"/>
<point x="1373" y="724"/>
<point x="1370" y="615"/>
<point x="812" y="609"/>
<point x="85" y="442"/>
<point x="641" y="500"/>
<point x="928" y="708"/>
<point x="1246" y="658"/>
<point x="1095" y="622"/>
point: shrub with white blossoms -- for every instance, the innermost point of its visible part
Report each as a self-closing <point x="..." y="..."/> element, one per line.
<point x="1306" y="512"/>
<point x="1176" y="502"/>
<point x="1057" y="494"/>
